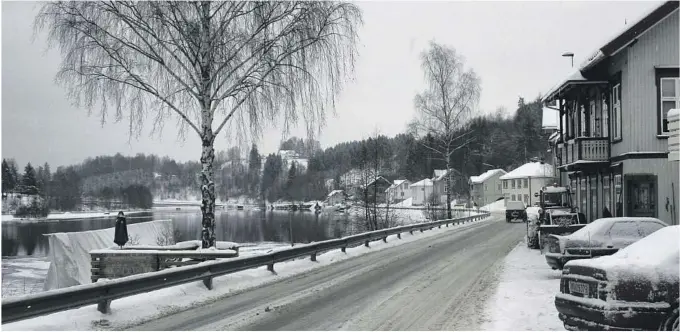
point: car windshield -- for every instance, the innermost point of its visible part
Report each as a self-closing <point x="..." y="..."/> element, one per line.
<point x="555" y="199"/>
<point x="588" y="231"/>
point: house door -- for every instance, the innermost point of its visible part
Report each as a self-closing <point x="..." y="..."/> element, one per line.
<point x="641" y="196"/>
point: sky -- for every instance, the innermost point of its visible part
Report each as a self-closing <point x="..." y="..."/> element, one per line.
<point x="515" y="47"/>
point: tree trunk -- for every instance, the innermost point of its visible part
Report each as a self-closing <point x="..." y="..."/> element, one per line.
<point x="448" y="189"/>
<point x="207" y="192"/>
<point x="207" y="135"/>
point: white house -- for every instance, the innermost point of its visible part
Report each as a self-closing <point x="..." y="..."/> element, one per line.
<point x="487" y="187"/>
<point x="521" y="183"/>
<point x="398" y="191"/>
<point x="335" y="197"/>
<point x="420" y="191"/>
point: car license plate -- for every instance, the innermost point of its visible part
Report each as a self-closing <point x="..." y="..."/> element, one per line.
<point x="579" y="288"/>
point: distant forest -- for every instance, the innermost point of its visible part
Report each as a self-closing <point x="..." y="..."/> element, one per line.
<point x="500" y="141"/>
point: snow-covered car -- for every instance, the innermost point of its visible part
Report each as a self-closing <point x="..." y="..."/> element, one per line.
<point x="602" y="237"/>
<point x="515" y="211"/>
<point x="633" y="289"/>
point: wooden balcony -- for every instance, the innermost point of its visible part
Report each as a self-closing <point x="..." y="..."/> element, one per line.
<point x="583" y="151"/>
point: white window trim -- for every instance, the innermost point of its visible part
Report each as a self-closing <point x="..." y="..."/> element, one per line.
<point x="676" y="99"/>
<point x="616" y="112"/>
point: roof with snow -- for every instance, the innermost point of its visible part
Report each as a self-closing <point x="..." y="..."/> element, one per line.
<point x="396" y="183"/>
<point x="616" y="42"/>
<point x="334" y="192"/>
<point x="550" y="118"/>
<point x="379" y="178"/>
<point x="486" y="175"/>
<point x="423" y="183"/>
<point x="533" y="169"/>
<point x="439" y="174"/>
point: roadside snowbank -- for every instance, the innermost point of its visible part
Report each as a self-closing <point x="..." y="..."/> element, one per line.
<point x="497" y="206"/>
<point x="133" y="310"/>
<point x="525" y="297"/>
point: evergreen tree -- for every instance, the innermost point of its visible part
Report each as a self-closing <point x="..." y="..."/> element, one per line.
<point x="29" y="180"/>
<point x="8" y="180"/>
<point x="254" y="166"/>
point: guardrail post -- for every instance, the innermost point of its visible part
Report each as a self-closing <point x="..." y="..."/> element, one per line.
<point x="104" y="306"/>
<point x="313" y="258"/>
<point x="399" y="236"/>
<point x="411" y="231"/>
<point x="208" y="282"/>
<point x="270" y="267"/>
<point x="385" y="239"/>
<point x="366" y="243"/>
<point x="421" y="230"/>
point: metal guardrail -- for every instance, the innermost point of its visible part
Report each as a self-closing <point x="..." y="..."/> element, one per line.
<point x="103" y="292"/>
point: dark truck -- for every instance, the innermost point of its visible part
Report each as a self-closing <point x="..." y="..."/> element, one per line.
<point x="515" y="211"/>
<point x="556" y="215"/>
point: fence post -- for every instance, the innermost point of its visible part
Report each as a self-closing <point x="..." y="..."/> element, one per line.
<point x="104" y="306"/>
<point x="208" y="282"/>
<point x="399" y="236"/>
<point x="313" y="258"/>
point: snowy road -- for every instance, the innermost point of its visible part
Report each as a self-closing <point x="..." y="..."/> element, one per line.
<point x="440" y="283"/>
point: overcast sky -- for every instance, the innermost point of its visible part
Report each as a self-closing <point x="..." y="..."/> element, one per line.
<point x="515" y="47"/>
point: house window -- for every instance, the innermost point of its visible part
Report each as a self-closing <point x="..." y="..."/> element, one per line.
<point x="593" y="198"/>
<point x="485" y="187"/>
<point x="513" y="197"/>
<point x="402" y="194"/>
<point x="670" y="98"/>
<point x="584" y="123"/>
<point x="505" y="184"/>
<point x="618" y="193"/>
<point x="584" y="196"/>
<point x="526" y="183"/>
<point x="594" y="120"/>
<point x="513" y="185"/>
<point x="499" y="187"/>
<point x="606" y="193"/>
<point x="616" y="111"/>
<point x="605" y="117"/>
<point x="526" y="199"/>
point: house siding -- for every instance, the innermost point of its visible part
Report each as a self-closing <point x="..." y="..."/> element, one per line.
<point x="533" y="186"/>
<point x="657" y="47"/>
<point x="485" y="195"/>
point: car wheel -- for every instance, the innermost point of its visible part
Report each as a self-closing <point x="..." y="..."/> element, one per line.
<point x="671" y="322"/>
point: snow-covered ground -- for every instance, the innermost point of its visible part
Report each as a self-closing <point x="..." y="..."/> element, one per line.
<point x="525" y="297"/>
<point x="134" y="309"/>
<point x="497" y="206"/>
<point x="21" y="276"/>
<point x="70" y="215"/>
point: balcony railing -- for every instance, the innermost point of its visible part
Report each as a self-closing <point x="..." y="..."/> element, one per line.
<point x="583" y="149"/>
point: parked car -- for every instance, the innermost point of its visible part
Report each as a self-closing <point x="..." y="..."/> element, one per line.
<point x="635" y="288"/>
<point x="515" y="211"/>
<point x="602" y="237"/>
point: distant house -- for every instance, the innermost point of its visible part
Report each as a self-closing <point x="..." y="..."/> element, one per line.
<point x="398" y="191"/>
<point x="439" y="182"/>
<point x="375" y="190"/>
<point x="487" y="187"/>
<point x="521" y="183"/>
<point x="335" y="197"/>
<point x="421" y="191"/>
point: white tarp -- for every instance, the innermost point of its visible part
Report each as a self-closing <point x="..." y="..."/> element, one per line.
<point x="70" y="260"/>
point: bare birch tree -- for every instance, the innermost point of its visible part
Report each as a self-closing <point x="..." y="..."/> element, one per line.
<point x="445" y="107"/>
<point x="208" y="65"/>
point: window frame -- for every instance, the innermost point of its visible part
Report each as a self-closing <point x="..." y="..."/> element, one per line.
<point x="616" y="112"/>
<point x="662" y="74"/>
